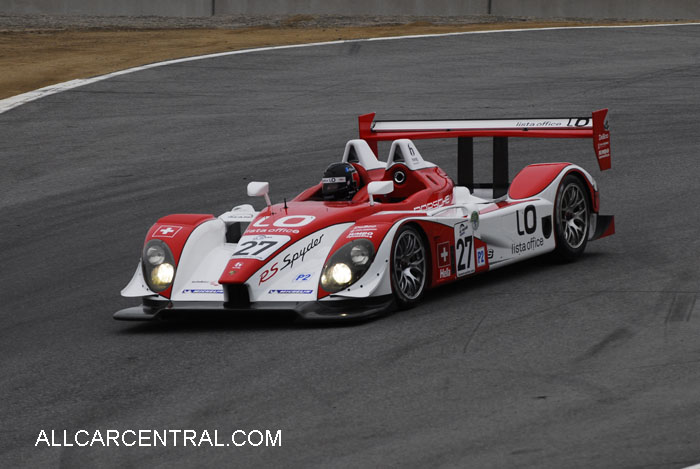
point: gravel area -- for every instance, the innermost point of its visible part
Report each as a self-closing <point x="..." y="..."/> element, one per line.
<point x="47" y="22"/>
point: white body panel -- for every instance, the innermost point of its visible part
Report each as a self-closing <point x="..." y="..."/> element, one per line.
<point x="201" y="263"/>
<point x="137" y="286"/>
<point x="294" y="273"/>
<point x="491" y="124"/>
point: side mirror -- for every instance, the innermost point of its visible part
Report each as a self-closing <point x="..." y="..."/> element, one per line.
<point x="379" y="188"/>
<point x="258" y="189"/>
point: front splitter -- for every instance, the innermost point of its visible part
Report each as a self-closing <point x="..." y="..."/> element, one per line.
<point x="334" y="310"/>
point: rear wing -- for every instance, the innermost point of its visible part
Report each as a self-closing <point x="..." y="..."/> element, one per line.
<point x="594" y="127"/>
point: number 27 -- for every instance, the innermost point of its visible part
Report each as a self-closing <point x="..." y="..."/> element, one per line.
<point x="464" y="246"/>
<point x="250" y="245"/>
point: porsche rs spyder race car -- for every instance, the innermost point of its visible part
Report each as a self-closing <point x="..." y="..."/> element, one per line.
<point x="373" y="235"/>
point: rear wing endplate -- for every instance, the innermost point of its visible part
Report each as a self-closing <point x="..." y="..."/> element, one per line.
<point x="594" y="127"/>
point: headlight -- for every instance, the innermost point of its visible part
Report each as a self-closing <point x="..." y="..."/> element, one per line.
<point x="347" y="265"/>
<point x="341" y="274"/>
<point x="163" y="275"/>
<point x="155" y="254"/>
<point x="360" y="254"/>
<point x="158" y="265"/>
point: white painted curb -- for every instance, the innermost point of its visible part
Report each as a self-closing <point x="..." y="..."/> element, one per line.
<point x="15" y="101"/>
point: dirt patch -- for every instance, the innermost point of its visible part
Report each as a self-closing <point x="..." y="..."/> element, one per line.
<point x="41" y="51"/>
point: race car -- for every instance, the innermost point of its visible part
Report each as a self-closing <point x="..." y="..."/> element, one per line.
<point x="373" y="236"/>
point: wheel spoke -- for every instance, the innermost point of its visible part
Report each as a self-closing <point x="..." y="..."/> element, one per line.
<point x="573" y="215"/>
<point x="409" y="264"/>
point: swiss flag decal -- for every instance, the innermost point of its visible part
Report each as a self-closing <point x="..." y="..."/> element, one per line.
<point x="166" y="231"/>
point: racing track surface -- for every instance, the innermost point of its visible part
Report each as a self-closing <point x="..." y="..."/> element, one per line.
<point x="594" y="364"/>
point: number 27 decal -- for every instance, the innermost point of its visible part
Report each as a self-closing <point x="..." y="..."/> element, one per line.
<point x="258" y="247"/>
<point x="248" y="245"/>
<point x="464" y="246"/>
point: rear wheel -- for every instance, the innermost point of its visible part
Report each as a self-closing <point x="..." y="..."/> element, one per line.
<point x="571" y="218"/>
<point x="409" y="266"/>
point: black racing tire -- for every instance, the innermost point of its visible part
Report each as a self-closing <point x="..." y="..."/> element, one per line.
<point x="410" y="267"/>
<point x="572" y="216"/>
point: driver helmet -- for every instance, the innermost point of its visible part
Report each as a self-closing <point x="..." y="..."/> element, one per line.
<point x="340" y="182"/>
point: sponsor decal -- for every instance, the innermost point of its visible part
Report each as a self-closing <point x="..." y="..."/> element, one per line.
<point x="289" y="260"/>
<point x="443" y="254"/>
<point x="212" y="283"/>
<point x="360" y="234"/>
<point x="286" y="225"/>
<point x="235" y="216"/>
<point x="267" y="274"/>
<point x="463" y="227"/>
<point x="532" y="244"/>
<point x="414" y="158"/>
<point x="290" y="221"/>
<point x="441" y="202"/>
<point x="333" y="180"/>
<point x="202" y="290"/>
<point x="362" y="231"/>
<point x="302" y="278"/>
<point x="529" y="223"/>
<point x="166" y="231"/>
<point x="578" y="122"/>
<point x="271" y="231"/>
<point x="445" y="272"/>
<point x="571" y="122"/>
<point x="480" y="257"/>
<point x="291" y="292"/>
<point x="474" y="219"/>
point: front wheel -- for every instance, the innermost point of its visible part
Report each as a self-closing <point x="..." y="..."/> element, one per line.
<point x="571" y="218"/>
<point x="409" y="267"/>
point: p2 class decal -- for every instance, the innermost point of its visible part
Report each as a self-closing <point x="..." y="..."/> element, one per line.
<point x="259" y="247"/>
<point x="302" y="278"/>
<point x="464" y="249"/>
<point x="480" y="257"/>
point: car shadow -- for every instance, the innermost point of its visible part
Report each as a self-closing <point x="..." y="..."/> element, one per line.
<point x="506" y="275"/>
<point x="221" y="321"/>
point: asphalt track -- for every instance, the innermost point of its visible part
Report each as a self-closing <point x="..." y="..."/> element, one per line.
<point x="592" y="364"/>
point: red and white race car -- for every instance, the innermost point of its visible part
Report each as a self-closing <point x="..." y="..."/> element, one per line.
<point x="377" y="235"/>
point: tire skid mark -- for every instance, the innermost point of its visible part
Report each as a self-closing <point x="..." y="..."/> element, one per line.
<point x="613" y="339"/>
<point x="681" y="307"/>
